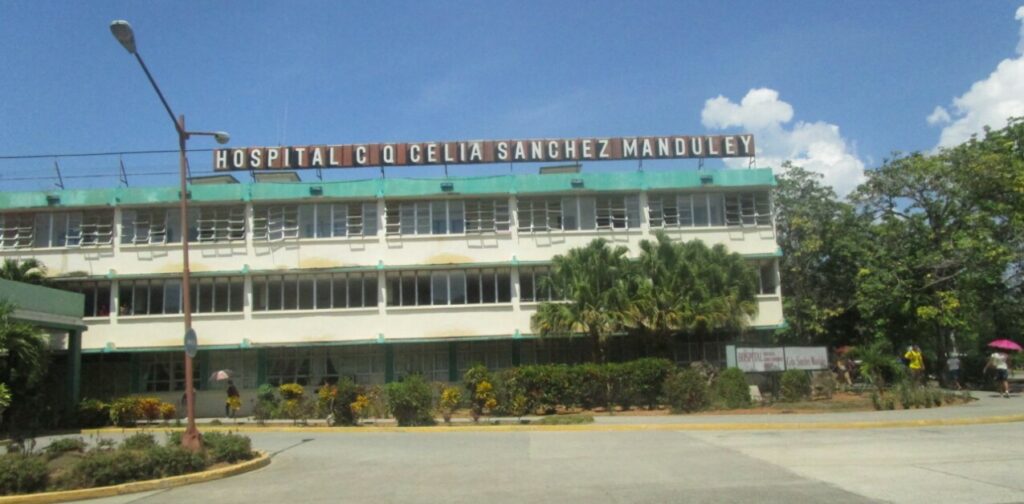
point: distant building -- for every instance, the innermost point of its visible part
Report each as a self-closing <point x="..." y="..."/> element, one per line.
<point x="371" y="279"/>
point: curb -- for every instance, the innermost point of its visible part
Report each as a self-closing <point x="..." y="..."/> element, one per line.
<point x="140" y="486"/>
<point x="597" y="427"/>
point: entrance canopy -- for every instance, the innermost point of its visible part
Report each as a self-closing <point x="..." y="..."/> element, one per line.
<point x="44" y="307"/>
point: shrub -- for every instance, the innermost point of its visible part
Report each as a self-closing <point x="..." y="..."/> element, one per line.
<point x="150" y="408"/>
<point x="336" y="402"/>
<point x="173" y="460"/>
<point x="138" y="441"/>
<point x="410" y="401"/>
<point x="64" y="445"/>
<point x="173" y="438"/>
<point x="686" y="391"/>
<point x="125" y="411"/>
<point x="731" y="389"/>
<point x="450" y="400"/>
<point x="106" y="467"/>
<point x="20" y="473"/>
<point x="168" y="412"/>
<point x="823" y="384"/>
<point x="566" y="419"/>
<point x="590" y="385"/>
<point x="290" y="391"/>
<point x="93" y="413"/>
<point x="795" y="385"/>
<point x="227" y="447"/>
<point x="377" y="402"/>
<point x="620" y="386"/>
<point x="644" y="378"/>
<point x="266" y="403"/>
<point x="294" y="404"/>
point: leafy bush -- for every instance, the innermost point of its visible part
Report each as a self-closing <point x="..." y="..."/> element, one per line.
<point x="686" y="391"/>
<point x="731" y="389"/>
<point x="125" y="411"/>
<point x="227" y="447"/>
<point x="294" y="404"/>
<point x="174" y="460"/>
<point x="590" y="385"/>
<point x="107" y="467"/>
<point x="168" y="412"/>
<point x="291" y="391"/>
<point x="173" y="438"/>
<point x="93" y="413"/>
<point x="642" y="379"/>
<point x="266" y="403"/>
<point x="61" y="446"/>
<point x="336" y="402"/>
<point x="795" y="385"/>
<point x="150" y="408"/>
<point x="20" y="473"/>
<point x="451" y="398"/>
<point x="138" y="441"/>
<point x="410" y="401"/>
<point x="566" y="419"/>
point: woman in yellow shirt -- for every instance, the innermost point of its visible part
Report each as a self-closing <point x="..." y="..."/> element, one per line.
<point x="915" y="361"/>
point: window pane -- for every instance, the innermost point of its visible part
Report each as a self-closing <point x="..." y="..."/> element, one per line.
<point x="370" y="291"/>
<point x="504" y="286"/>
<point x="458" y="287"/>
<point x="588" y="213"/>
<point x="369" y="219"/>
<point x="408" y="288"/>
<point x="274" y="292"/>
<point x="456" y="219"/>
<point x="307" y="225"/>
<point x="488" y="294"/>
<point x="306" y="293"/>
<point x="323" y="221"/>
<point x="355" y="291"/>
<point x="291" y="293"/>
<point x="259" y="293"/>
<point x="473" y="286"/>
<point x="423" y="217"/>
<point x="423" y="288"/>
<point x="439" y="288"/>
<point x="172" y="296"/>
<point x="570" y="214"/>
<point x="156" y="298"/>
<point x="526" y="285"/>
<point x="206" y="295"/>
<point x="237" y="286"/>
<point x="140" y="299"/>
<point x="700" y="210"/>
<point x="716" y="209"/>
<point x="103" y="300"/>
<point x="221" y="295"/>
<point x="340" y="290"/>
<point x="439" y="220"/>
<point x="323" y="293"/>
<point x="394" y="286"/>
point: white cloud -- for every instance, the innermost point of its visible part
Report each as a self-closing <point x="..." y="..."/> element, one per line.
<point x="816" y="146"/>
<point x="989" y="102"/>
<point x="939" y="116"/>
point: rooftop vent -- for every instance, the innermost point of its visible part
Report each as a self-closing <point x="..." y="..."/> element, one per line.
<point x="215" y="179"/>
<point x="276" y="176"/>
<point x="569" y="168"/>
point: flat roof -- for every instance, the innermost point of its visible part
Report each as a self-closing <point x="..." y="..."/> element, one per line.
<point x="580" y="183"/>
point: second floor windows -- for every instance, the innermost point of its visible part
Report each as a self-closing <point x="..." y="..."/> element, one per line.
<point x="440" y="217"/>
<point x="675" y="210"/>
<point x="217" y="223"/>
<point x="150" y="226"/>
<point x="88" y="228"/>
<point x="314" y="292"/>
<point x="449" y="287"/>
<point x="324" y="220"/>
<point x="163" y="296"/>
<point x="572" y="213"/>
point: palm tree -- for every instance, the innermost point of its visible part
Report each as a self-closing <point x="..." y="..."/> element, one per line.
<point x="28" y="271"/>
<point x="23" y="358"/>
<point x="688" y="287"/>
<point x="593" y="282"/>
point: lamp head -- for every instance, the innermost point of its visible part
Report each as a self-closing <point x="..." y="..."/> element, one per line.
<point x="222" y="137"/>
<point x="123" y="33"/>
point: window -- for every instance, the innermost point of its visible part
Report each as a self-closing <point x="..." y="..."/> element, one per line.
<point x="217" y="223"/>
<point x="57" y="229"/>
<point x="241" y="363"/>
<point x="163" y="296"/>
<point x="321" y="220"/>
<point x="288" y="365"/>
<point x="426" y="217"/>
<point x="150" y="226"/>
<point x="748" y="209"/>
<point x="618" y="212"/>
<point x="495" y="355"/>
<point x="16" y="230"/>
<point x="165" y="371"/>
<point x="97" y="296"/>
<point x="686" y="210"/>
<point x="427" y="360"/>
<point x="535" y="284"/>
<point x="766" y="277"/>
<point x="448" y="287"/>
<point x="578" y="212"/>
<point x="314" y="292"/>
<point x="487" y="216"/>
<point x="363" y="363"/>
<point x="539" y="214"/>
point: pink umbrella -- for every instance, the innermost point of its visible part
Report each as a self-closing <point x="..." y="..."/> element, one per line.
<point x="1005" y="344"/>
<point x="223" y="374"/>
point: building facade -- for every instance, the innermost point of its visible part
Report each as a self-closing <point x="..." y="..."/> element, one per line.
<point x="372" y="279"/>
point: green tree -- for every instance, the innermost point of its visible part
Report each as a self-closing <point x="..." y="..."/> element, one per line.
<point x="690" y="288"/>
<point x="593" y="281"/>
<point x="28" y="271"/>
<point x="23" y="362"/>
<point x="821" y="239"/>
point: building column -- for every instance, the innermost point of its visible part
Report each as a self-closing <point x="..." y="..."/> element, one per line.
<point x="74" y="369"/>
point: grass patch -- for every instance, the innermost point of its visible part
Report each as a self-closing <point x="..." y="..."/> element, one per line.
<point x="566" y="419"/>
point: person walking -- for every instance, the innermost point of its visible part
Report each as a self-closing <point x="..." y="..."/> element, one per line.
<point x="233" y="402"/>
<point x="915" y="361"/>
<point x="1000" y="362"/>
<point x="953" y="365"/>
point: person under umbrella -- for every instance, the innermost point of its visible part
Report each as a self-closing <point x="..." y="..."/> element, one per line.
<point x="1000" y="361"/>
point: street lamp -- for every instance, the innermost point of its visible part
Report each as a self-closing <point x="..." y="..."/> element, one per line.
<point x="123" y="33"/>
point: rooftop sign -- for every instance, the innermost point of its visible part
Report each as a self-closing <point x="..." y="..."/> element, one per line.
<point x="483" y="151"/>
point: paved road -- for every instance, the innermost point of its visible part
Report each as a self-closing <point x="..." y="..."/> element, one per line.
<point x="955" y="464"/>
<point x="944" y="464"/>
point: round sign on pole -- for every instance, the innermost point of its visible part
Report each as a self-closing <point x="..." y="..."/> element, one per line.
<point x="191" y="343"/>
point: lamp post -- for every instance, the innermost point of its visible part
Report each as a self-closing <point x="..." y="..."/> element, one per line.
<point x="123" y="33"/>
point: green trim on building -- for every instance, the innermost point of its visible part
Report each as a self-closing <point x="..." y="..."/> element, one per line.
<point x="392" y="188"/>
<point x="43" y="300"/>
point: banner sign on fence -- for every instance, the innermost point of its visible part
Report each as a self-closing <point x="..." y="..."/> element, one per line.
<point x="775" y="359"/>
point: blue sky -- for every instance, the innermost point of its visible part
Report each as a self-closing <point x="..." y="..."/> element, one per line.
<point x="837" y="86"/>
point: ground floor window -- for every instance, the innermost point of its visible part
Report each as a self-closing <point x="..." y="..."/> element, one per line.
<point x="428" y="360"/>
<point x="493" y="354"/>
<point x="165" y="371"/>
